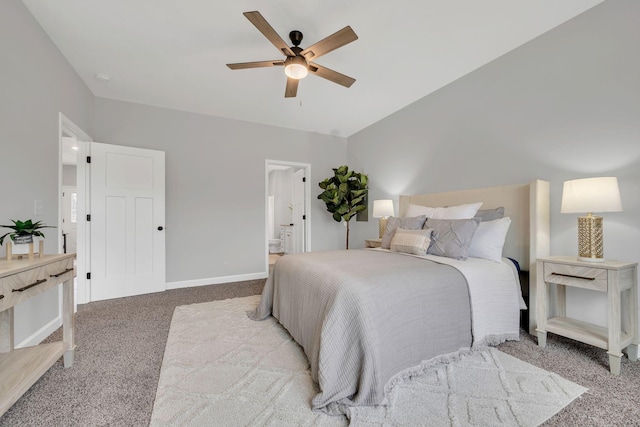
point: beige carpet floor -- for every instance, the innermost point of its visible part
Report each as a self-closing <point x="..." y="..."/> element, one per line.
<point x="121" y="344"/>
<point x="222" y="369"/>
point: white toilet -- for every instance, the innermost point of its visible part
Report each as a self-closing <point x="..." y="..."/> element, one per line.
<point x="275" y="246"/>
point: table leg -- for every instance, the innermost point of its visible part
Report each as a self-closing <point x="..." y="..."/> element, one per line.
<point x="614" y="363"/>
<point x="6" y="330"/>
<point x="68" y="319"/>
<point x="633" y="309"/>
<point x="542" y="309"/>
<point x="542" y="338"/>
<point x="613" y="296"/>
<point x="67" y="358"/>
<point x="632" y="352"/>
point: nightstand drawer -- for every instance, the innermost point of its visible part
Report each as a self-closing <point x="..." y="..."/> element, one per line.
<point x="575" y="275"/>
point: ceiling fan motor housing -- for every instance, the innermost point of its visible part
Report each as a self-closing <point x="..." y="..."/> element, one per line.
<point x="296" y="37"/>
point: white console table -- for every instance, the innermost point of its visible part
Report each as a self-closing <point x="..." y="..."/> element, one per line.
<point x="21" y="279"/>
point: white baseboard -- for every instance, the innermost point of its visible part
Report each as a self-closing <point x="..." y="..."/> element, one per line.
<point x="39" y="335"/>
<point x="216" y="280"/>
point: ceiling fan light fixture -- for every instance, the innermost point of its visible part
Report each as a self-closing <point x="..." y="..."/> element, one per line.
<point x="295" y="67"/>
<point x="295" y="63"/>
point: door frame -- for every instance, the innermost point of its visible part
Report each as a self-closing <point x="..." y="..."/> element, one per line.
<point x="307" y="205"/>
<point x="66" y="126"/>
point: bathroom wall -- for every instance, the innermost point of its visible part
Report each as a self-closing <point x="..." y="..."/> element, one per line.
<point x="281" y="188"/>
<point x="69" y="175"/>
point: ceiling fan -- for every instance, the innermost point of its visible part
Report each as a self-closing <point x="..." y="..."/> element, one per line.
<point x="298" y="61"/>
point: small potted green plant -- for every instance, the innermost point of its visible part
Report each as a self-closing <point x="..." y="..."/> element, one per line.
<point x="23" y="234"/>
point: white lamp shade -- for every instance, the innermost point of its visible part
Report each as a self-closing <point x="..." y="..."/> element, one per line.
<point x="382" y="208"/>
<point x="591" y="195"/>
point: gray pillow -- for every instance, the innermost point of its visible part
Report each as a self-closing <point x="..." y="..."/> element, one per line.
<point x="408" y="223"/>
<point x="451" y="238"/>
<point x="490" y="214"/>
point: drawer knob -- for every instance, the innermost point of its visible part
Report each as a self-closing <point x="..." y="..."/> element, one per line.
<point x="29" y="286"/>
<point x="573" y="276"/>
<point x="1" y="296"/>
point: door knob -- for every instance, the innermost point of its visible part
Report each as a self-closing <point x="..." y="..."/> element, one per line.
<point x="160" y="228"/>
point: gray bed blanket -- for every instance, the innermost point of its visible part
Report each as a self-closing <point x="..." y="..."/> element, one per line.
<point x="363" y="316"/>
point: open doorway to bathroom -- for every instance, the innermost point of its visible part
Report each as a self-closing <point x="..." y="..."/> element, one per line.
<point x="287" y="204"/>
<point x="69" y="197"/>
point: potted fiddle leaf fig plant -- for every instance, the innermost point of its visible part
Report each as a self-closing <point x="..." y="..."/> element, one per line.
<point x="23" y="234"/>
<point x="345" y="194"/>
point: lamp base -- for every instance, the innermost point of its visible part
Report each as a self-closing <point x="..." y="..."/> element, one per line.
<point x="590" y="238"/>
<point x="589" y="259"/>
<point x="382" y="226"/>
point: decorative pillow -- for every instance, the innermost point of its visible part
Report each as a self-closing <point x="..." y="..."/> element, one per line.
<point x="488" y="239"/>
<point x="450" y="212"/>
<point x="407" y="223"/>
<point x="490" y="214"/>
<point x="451" y="237"/>
<point x="411" y="241"/>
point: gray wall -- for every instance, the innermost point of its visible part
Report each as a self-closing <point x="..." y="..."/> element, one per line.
<point x="36" y="83"/>
<point x="565" y="105"/>
<point x="215" y="183"/>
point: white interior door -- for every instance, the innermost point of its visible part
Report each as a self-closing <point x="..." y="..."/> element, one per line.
<point x="127" y="221"/>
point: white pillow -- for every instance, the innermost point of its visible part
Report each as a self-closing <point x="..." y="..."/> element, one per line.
<point x="489" y="238"/>
<point x="450" y="212"/>
<point x="414" y="242"/>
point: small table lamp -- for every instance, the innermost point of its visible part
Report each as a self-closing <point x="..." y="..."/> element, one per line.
<point x="586" y="196"/>
<point x="382" y="209"/>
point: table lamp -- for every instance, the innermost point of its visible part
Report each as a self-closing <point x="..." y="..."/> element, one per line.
<point x="587" y="196"/>
<point x="382" y="209"/>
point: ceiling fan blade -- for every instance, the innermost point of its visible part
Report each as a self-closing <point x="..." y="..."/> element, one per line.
<point x="258" y="64"/>
<point x="292" y="88"/>
<point x="331" y="75"/>
<point x="326" y="45"/>
<point x="267" y="30"/>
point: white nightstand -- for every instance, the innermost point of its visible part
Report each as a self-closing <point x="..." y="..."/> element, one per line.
<point x="618" y="279"/>
<point x="373" y="243"/>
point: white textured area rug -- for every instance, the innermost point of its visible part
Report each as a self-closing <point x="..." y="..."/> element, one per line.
<point x="222" y="369"/>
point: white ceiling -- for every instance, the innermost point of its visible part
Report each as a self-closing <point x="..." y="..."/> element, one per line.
<point x="172" y="53"/>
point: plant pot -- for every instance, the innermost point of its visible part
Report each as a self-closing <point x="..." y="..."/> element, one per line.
<point x="21" y="245"/>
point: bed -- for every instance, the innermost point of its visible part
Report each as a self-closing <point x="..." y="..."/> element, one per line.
<point x="368" y="318"/>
